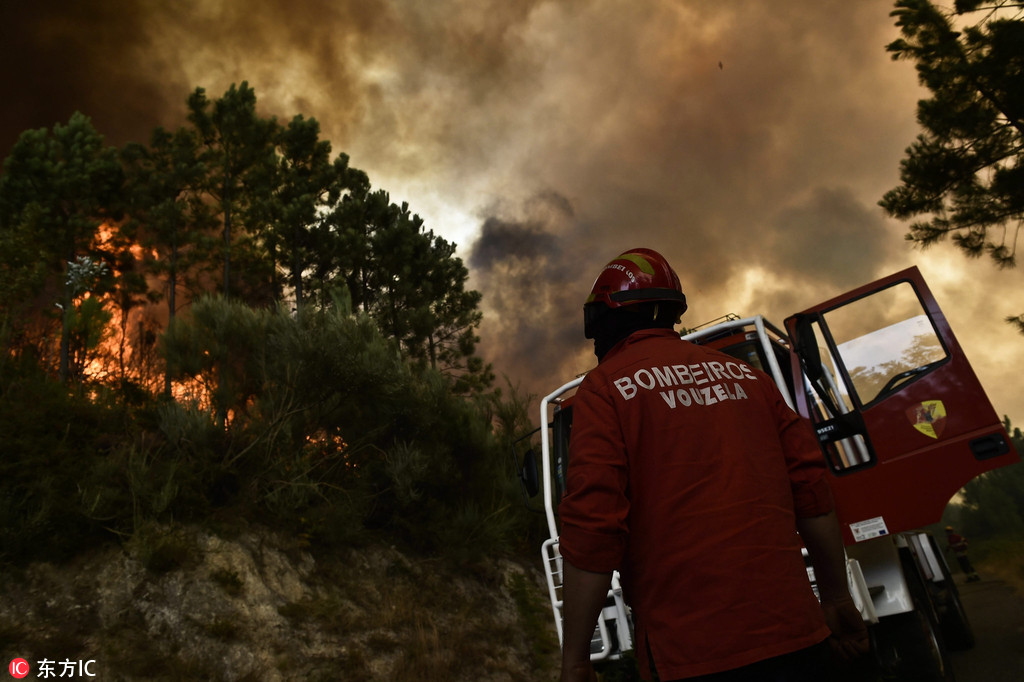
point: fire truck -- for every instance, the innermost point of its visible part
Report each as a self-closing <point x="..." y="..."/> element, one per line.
<point x="902" y="422"/>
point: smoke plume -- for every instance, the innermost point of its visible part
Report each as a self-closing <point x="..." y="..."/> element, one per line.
<point x="747" y="141"/>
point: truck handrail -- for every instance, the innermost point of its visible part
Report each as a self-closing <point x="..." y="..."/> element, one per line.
<point x="762" y="326"/>
<point x="545" y="450"/>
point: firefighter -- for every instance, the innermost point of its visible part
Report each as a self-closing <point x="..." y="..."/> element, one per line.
<point x="958" y="544"/>
<point x="689" y="474"/>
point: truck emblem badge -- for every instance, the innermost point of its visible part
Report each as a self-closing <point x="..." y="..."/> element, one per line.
<point x="929" y="417"/>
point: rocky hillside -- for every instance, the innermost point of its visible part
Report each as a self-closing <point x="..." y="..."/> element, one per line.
<point x="250" y="605"/>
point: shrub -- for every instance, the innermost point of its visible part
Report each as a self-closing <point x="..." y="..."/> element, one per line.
<point x="53" y="438"/>
<point x="314" y="424"/>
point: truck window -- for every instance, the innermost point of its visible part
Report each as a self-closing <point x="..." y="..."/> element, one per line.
<point x="561" y="427"/>
<point x="752" y="353"/>
<point x="884" y="341"/>
<point x="870" y="348"/>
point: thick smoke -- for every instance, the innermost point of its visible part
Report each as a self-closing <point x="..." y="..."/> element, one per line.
<point x="534" y="276"/>
<point x="64" y="56"/>
<point x="748" y="141"/>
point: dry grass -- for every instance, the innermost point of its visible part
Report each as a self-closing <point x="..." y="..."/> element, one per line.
<point x="1003" y="558"/>
<point x="428" y="620"/>
<point x="366" y="614"/>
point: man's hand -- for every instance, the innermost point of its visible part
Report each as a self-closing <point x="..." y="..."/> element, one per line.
<point x="583" y="595"/>
<point x="580" y="672"/>
<point x="849" y="638"/>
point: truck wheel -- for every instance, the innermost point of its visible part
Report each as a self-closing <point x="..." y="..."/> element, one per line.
<point x="956" y="628"/>
<point x="910" y="649"/>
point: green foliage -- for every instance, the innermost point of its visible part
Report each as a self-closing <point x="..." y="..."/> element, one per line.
<point x="217" y="349"/>
<point x="328" y="419"/>
<point x="964" y="173"/>
<point x="1003" y="557"/>
<point x="408" y="280"/>
<point x="53" y="440"/>
<point x="991" y="517"/>
<point x="417" y="293"/>
<point x="231" y="191"/>
<point x="238" y="152"/>
<point x="169" y="216"/>
<point x="994" y="504"/>
<point x="87" y="326"/>
<point x="311" y="191"/>
<point x="328" y="414"/>
<point x="57" y="188"/>
<point x="23" y="274"/>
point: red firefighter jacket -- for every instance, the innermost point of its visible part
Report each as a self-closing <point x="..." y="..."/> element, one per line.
<point x="957" y="543"/>
<point x="686" y="472"/>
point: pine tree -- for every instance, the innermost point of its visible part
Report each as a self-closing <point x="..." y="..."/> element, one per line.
<point x="964" y="174"/>
<point x="168" y="214"/>
<point x="58" y="188"/>
<point x="237" y="147"/>
<point x="309" y="189"/>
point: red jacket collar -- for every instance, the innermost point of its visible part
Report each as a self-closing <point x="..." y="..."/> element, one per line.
<point x="636" y="337"/>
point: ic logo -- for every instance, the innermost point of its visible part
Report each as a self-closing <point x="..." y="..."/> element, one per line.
<point x="19" y="668"/>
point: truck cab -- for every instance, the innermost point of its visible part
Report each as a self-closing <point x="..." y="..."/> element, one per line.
<point x="902" y="422"/>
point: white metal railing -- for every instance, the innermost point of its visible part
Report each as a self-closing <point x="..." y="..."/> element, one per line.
<point x="545" y="452"/>
<point x="614" y="615"/>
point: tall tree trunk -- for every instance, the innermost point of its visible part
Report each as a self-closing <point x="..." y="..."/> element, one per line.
<point x="297" y="279"/>
<point x="172" y="284"/>
<point x="227" y="249"/>
<point x="126" y="307"/>
<point x="64" y="367"/>
<point x="226" y="203"/>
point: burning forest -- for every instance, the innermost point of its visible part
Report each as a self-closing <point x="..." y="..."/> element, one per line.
<point x="231" y="318"/>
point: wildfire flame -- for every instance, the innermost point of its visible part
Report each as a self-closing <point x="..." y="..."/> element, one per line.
<point x="126" y="350"/>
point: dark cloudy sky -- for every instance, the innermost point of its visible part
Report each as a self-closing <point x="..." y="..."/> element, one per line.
<point x="749" y="141"/>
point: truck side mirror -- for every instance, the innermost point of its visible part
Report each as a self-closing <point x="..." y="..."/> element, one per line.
<point x="807" y="348"/>
<point x="528" y="474"/>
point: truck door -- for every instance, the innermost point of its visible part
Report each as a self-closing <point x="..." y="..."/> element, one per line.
<point x="900" y="414"/>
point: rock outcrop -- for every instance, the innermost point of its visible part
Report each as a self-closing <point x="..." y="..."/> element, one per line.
<point x="190" y="604"/>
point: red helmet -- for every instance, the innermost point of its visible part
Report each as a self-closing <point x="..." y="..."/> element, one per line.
<point x="636" y="276"/>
